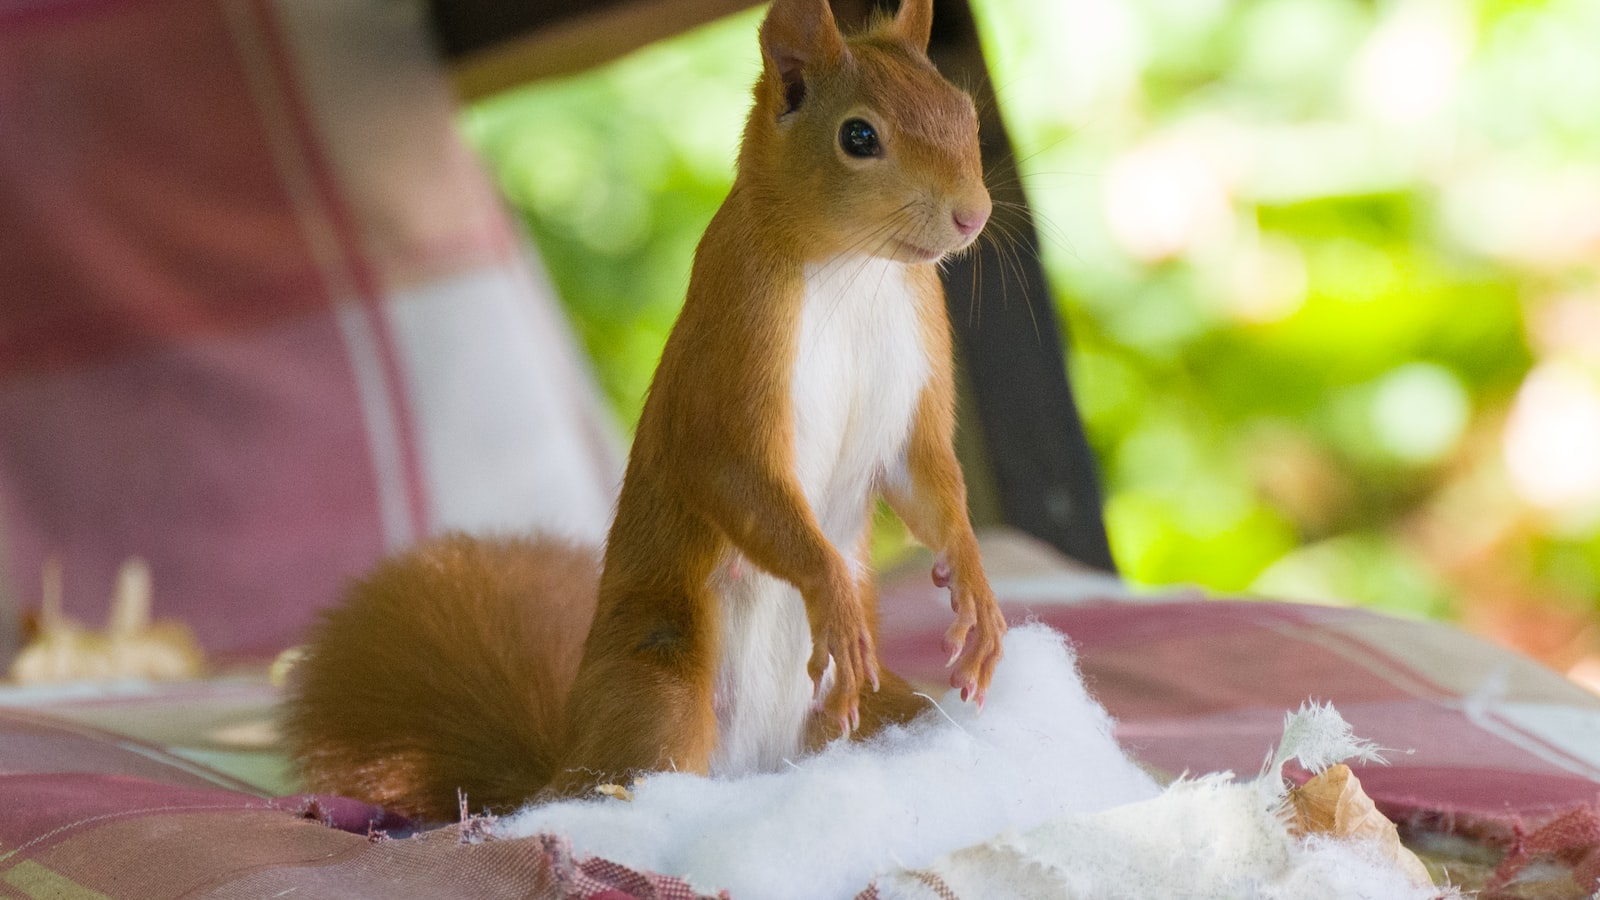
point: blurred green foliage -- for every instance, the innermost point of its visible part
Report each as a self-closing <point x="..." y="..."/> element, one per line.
<point x="1310" y="253"/>
<point x="616" y="174"/>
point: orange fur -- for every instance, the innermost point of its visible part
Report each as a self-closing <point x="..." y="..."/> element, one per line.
<point x="444" y="669"/>
<point x="710" y="476"/>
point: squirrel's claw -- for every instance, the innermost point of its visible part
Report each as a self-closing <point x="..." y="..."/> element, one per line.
<point x="973" y="640"/>
<point x="840" y="634"/>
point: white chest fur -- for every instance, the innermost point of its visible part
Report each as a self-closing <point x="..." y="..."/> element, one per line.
<point x="859" y="370"/>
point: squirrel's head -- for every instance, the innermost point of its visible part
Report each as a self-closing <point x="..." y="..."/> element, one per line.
<point x="858" y="143"/>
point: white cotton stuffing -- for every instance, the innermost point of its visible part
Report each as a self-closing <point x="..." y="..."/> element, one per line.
<point x="1209" y="838"/>
<point x="1031" y="798"/>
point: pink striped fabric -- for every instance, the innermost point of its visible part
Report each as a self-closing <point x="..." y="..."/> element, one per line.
<point x="261" y="315"/>
<point x="1474" y="733"/>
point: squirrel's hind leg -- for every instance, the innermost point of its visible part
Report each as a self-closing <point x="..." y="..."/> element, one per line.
<point x="643" y="700"/>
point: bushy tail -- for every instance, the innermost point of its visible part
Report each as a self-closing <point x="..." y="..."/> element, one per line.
<point x="444" y="670"/>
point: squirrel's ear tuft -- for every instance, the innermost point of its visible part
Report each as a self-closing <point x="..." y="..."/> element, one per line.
<point x="799" y="37"/>
<point x="914" y="23"/>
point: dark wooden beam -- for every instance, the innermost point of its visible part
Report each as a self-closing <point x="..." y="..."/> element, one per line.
<point x="497" y="44"/>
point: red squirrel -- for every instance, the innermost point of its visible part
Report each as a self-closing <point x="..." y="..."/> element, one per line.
<point x="733" y="624"/>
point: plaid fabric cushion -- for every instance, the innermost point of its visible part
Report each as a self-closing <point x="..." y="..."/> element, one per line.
<point x="1485" y="745"/>
<point x="1474" y="732"/>
<point x="262" y="316"/>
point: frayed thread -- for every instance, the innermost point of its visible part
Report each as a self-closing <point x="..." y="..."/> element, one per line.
<point x="474" y="828"/>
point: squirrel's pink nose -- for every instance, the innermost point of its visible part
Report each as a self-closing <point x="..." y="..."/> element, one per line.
<point x="969" y="221"/>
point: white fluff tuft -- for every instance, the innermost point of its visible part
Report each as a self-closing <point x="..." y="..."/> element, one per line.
<point x="1318" y="737"/>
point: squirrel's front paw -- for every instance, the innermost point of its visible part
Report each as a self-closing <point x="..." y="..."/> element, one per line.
<point x="974" y="640"/>
<point x="839" y="632"/>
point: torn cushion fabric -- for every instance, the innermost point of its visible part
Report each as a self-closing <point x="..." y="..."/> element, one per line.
<point x="1197" y="686"/>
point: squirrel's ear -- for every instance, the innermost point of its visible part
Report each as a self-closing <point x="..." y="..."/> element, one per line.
<point x="797" y="37"/>
<point x="914" y="23"/>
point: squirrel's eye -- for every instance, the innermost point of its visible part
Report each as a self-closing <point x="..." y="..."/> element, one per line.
<point x="858" y="138"/>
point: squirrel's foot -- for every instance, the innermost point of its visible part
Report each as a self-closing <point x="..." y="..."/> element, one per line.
<point x="974" y="639"/>
<point x="839" y="633"/>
